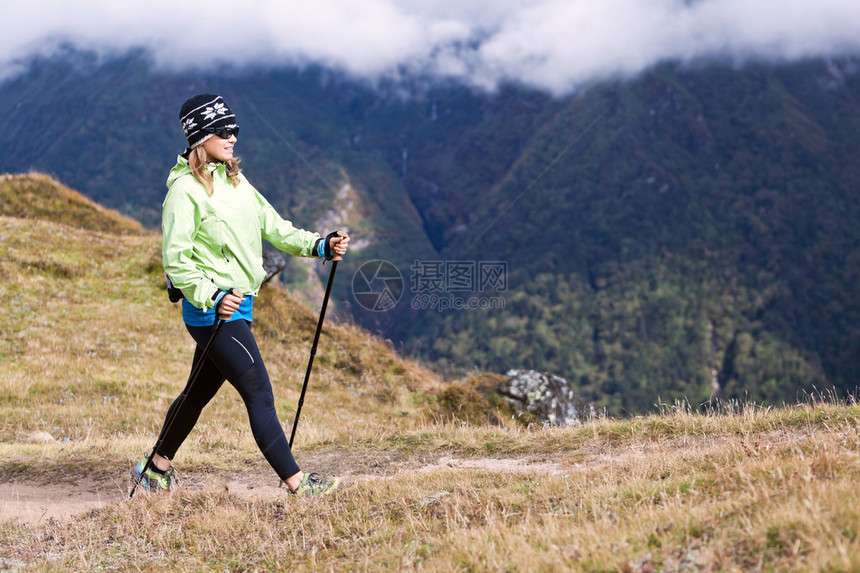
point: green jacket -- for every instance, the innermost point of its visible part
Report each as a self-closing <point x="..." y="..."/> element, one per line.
<point x="214" y="243"/>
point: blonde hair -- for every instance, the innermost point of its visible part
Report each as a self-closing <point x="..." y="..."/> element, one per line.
<point x="197" y="160"/>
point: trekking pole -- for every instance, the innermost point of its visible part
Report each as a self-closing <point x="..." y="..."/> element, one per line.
<point x="313" y="352"/>
<point x="194" y="373"/>
<point x="314" y="348"/>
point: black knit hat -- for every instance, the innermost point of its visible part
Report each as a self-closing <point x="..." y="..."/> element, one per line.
<point x="203" y="113"/>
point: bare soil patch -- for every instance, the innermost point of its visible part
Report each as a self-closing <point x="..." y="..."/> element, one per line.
<point x="28" y="503"/>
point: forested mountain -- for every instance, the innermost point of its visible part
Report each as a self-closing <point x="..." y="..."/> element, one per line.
<point x="689" y="233"/>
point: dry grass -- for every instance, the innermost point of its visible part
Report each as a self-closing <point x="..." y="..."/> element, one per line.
<point x="734" y="497"/>
<point x="38" y="196"/>
<point x="92" y="353"/>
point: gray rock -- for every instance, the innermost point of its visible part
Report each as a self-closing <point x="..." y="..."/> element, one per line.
<point x="546" y="396"/>
<point x="273" y="263"/>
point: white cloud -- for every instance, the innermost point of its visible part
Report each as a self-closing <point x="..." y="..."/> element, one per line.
<point x="551" y="44"/>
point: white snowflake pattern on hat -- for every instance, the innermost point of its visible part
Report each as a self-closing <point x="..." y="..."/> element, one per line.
<point x="188" y="125"/>
<point x="217" y="109"/>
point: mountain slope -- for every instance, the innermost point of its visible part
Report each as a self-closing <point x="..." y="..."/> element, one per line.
<point x="690" y="234"/>
<point x="687" y="234"/>
<point x="38" y="196"/>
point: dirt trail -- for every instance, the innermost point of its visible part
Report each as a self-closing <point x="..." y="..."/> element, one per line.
<point x="27" y="503"/>
<point x="23" y="501"/>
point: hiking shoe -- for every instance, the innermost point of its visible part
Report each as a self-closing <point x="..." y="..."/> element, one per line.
<point x="151" y="480"/>
<point x="313" y="484"/>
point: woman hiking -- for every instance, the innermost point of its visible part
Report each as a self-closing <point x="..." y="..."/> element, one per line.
<point x="213" y="220"/>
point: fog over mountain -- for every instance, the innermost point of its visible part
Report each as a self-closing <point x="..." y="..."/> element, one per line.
<point x="556" y="45"/>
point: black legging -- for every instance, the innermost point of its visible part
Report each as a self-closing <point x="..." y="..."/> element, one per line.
<point x="234" y="356"/>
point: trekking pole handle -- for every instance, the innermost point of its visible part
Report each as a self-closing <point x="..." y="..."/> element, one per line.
<point x="341" y="235"/>
<point x="233" y="292"/>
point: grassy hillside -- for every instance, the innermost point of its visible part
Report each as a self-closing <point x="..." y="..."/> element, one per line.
<point x="39" y="196"/>
<point x="87" y="328"/>
<point x="91" y="353"/>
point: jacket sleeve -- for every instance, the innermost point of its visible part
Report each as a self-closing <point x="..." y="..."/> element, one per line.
<point x="282" y="234"/>
<point x="180" y="222"/>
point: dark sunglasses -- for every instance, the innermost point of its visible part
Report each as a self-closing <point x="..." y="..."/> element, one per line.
<point x="223" y="132"/>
